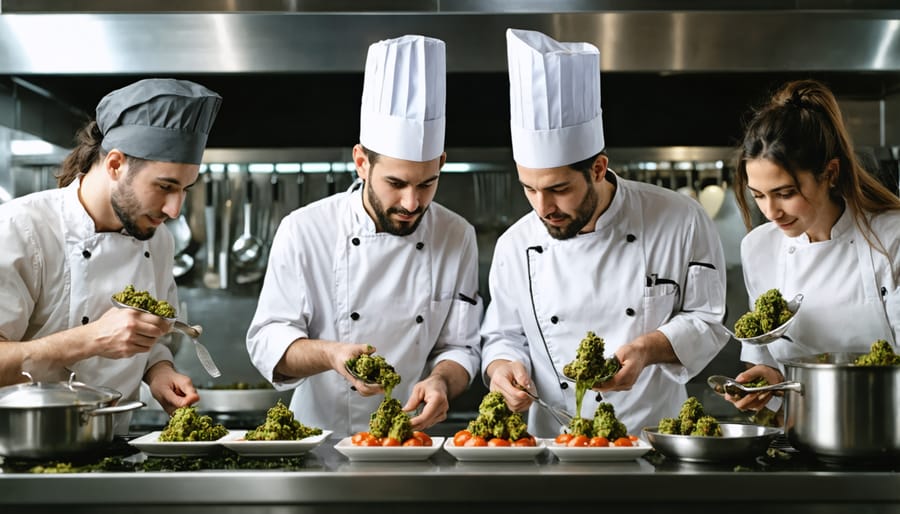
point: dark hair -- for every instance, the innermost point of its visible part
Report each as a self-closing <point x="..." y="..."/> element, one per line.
<point x="585" y="166"/>
<point x="371" y="155"/>
<point x="87" y="152"/>
<point x="801" y="129"/>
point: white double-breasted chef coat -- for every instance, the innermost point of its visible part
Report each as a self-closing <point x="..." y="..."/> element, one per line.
<point x="331" y="276"/>
<point x="57" y="272"/>
<point x="850" y="290"/>
<point x="653" y="262"/>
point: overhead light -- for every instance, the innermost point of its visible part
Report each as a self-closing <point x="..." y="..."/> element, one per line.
<point x="456" y="167"/>
<point x="30" y="147"/>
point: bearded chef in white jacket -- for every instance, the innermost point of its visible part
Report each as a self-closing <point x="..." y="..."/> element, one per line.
<point x="67" y="251"/>
<point x="380" y="264"/>
<point x="833" y="235"/>
<point x="640" y="266"/>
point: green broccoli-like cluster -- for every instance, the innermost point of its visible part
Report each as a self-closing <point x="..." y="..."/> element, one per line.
<point x="280" y="425"/>
<point x="881" y="355"/>
<point x="604" y="424"/>
<point x="389" y="420"/>
<point x="769" y="312"/>
<point x="143" y="300"/>
<point x="691" y="420"/>
<point x="589" y="367"/>
<point x="187" y="425"/>
<point x="496" y="420"/>
<point x="375" y="369"/>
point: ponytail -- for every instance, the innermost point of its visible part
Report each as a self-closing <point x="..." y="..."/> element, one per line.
<point x="87" y="151"/>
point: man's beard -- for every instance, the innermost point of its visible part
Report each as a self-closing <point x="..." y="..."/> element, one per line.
<point x="583" y="215"/>
<point x="126" y="206"/>
<point x="384" y="221"/>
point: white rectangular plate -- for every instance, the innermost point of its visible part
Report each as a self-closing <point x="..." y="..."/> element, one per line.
<point x="387" y="453"/>
<point x="494" y="453"/>
<point x="153" y="447"/>
<point x="235" y="441"/>
<point x="595" y="453"/>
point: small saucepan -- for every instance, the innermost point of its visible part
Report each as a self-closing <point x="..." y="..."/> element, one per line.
<point x="41" y="420"/>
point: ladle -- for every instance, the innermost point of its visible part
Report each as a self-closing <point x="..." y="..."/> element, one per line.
<point x="210" y="277"/>
<point x="359" y="377"/>
<point x="192" y="331"/>
<point x="247" y="248"/>
<point x="776" y="333"/>
<point x="562" y="417"/>
<point x="722" y="385"/>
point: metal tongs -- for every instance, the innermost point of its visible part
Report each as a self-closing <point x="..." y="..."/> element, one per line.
<point x="562" y="417"/>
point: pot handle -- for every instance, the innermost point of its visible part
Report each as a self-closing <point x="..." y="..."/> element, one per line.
<point x="797" y="387"/>
<point x="122" y="407"/>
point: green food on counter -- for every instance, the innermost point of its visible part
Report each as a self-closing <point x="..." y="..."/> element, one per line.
<point x="143" y="300"/>
<point x="881" y="355"/>
<point x="496" y="420"/>
<point x="105" y="464"/>
<point x="280" y="425"/>
<point x="691" y="420"/>
<point x="187" y="425"/>
<point x="227" y="460"/>
<point x="603" y="424"/>
<point x="375" y="369"/>
<point x="240" y="386"/>
<point x="770" y="311"/>
<point x="589" y="367"/>
<point x="389" y="420"/>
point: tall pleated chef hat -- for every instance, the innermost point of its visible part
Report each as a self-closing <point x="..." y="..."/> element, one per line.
<point x="554" y="100"/>
<point x="159" y="119"/>
<point x="404" y="92"/>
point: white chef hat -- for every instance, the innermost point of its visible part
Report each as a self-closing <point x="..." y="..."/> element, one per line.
<point x="554" y="100"/>
<point x="403" y="98"/>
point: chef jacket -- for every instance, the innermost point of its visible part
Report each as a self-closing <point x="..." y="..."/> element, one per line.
<point x="331" y="276"/>
<point x="850" y="290"/>
<point x="653" y="262"/>
<point x="58" y="272"/>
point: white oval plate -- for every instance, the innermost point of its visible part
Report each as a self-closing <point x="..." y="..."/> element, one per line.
<point x="494" y="453"/>
<point x="595" y="453"/>
<point x="153" y="447"/>
<point x="387" y="453"/>
<point x="235" y="441"/>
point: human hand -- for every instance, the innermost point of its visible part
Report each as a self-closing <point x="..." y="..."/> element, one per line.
<point x="170" y="388"/>
<point x="633" y="360"/>
<point x="121" y="332"/>
<point x="432" y="392"/>
<point x="509" y="377"/>
<point x="340" y="353"/>
<point x="756" y="401"/>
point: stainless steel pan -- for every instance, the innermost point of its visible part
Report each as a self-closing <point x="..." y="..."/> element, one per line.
<point x="53" y="419"/>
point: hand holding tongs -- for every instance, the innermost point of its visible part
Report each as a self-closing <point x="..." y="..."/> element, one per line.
<point x="562" y="417"/>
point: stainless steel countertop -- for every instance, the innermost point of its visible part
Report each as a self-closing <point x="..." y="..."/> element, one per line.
<point x="328" y="478"/>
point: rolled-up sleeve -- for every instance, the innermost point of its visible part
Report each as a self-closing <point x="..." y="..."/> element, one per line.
<point x="459" y="340"/>
<point x="282" y="312"/>
<point x="502" y="333"/>
<point x="696" y="332"/>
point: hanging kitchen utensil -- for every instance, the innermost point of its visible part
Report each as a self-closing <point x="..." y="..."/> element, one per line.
<point x="301" y="183"/>
<point x="330" y="182"/>
<point x="268" y="223"/>
<point x="248" y="248"/>
<point x="210" y="277"/>
<point x="181" y="234"/>
<point x="223" y="248"/>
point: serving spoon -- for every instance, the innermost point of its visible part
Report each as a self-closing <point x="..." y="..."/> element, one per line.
<point x="777" y="332"/>
<point x="359" y="377"/>
<point x="562" y="417"/>
<point x="722" y="385"/>
<point x="603" y="378"/>
<point x="192" y="331"/>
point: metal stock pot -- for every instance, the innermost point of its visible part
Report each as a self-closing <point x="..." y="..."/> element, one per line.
<point x="842" y="412"/>
<point x="50" y="419"/>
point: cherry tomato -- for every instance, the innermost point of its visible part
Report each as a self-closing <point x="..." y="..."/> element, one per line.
<point x="578" y="441"/>
<point x="370" y="441"/>
<point x="413" y="441"/>
<point x="623" y="441"/>
<point x="359" y="437"/>
<point x="524" y="441"/>
<point x="390" y="441"/>
<point x="460" y="438"/>
<point x="599" y="441"/>
<point x="423" y="437"/>
<point x="497" y="441"/>
<point x="476" y="440"/>
<point x="634" y="438"/>
<point x="564" y="438"/>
